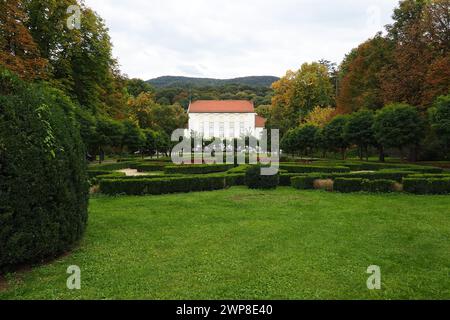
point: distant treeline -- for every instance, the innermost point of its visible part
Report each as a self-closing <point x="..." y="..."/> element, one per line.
<point x="186" y="82"/>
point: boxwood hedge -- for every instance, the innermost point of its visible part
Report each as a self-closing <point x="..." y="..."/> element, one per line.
<point x="311" y="169"/>
<point x="427" y="185"/>
<point x="43" y="179"/>
<point x="255" y="180"/>
<point x="164" y="185"/>
<point x="198" y="169"/>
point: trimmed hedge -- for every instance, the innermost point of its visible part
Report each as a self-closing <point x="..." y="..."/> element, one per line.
<point x="313" y="169"/>
<point x="386" y="174"/>
<point x="306" y="182"/>
<point x="427" y="185"/>
<point x="198" y="169"/>
<point x="347" y="185"/>
<point x="95" y="173"/>
<point x="236" y="179"/>
<point x="378" y="186"/>
<point x="239" y="169"/>
<point x="98" y="176"/>
<point x="255" y="180"/>
<point x="376" y="166"/>
<point x="113" y="166"/>
<point x="429" y="175"/>
<point x="120" y="175"/>
<point x="162" y="185"/>
<point x="148" y="167"/>
<point x="43" y="180"/>
<point x="285" y="178"/>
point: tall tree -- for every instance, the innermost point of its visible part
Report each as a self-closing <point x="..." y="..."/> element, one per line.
<point x="360" y="76"/>
<point x="399" y="126"/>
<point x="359" y="131"/>
<point x="421" y="34"/>
<point x="18" y="50"/>
<point x="297" y="93"/>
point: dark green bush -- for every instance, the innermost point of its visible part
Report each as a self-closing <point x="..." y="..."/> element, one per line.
<point x="239" y="169"/>
<point x="311" y="169"/>
<point x="254" y="179"/>
<point x="236" y="179"/>
<point x="285" y="178"/>
<point x="113" y="166"/>
<point x="95" y="176"/>
<point x="43" y="179"/>
<point x="95" y="173"/>
<point x="378" y="186"/>
<point x="148" y="167"/>
<point x="385" y="174"/>
<point x="198" y="169"/>
<point x="162" y="185"/>
<point x="347" y="185"/>
<point x="429" y="175"/>
<point x="426" y="185"/>
<point x="306" y="182"/>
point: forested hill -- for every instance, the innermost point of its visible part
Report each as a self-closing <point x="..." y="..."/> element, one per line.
<point x="183" y="82"/>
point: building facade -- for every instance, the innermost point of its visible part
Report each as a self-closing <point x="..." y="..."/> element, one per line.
<point x="225" y="119"/>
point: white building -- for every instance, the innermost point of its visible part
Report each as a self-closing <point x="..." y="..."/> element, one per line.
<point x="225" y="119"/>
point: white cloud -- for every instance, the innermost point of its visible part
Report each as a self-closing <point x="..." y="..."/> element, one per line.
<point x="225" y="39"/>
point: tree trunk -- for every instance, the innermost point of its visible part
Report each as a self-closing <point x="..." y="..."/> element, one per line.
<point x="382" y="156"/>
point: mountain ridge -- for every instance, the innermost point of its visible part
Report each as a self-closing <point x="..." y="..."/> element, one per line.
<point x="183" y="82"/>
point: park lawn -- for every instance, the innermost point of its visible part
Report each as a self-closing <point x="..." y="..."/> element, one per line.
<point x="246" y="244"/>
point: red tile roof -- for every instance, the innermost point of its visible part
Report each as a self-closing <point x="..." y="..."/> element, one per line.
<point x="222" y="106"/>
<point x="260" y="122"/>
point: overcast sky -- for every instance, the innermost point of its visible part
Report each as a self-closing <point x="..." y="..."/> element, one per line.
<point x="233" y="38"/>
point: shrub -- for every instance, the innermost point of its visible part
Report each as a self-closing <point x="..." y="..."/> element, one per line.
<point x="429" y="175"/>
<point x="95" y="173"/>
<point x="162" y="185"/>
<point x="113" y="166"/>
<point x="285" y="178"/>
<point x="236" y="179"/>
<point x="347" y="185"/>
<point x="311" y="169"/>
<point x="305" y="182"/>
<point x="386" y="174"/>
<point x="427" y="185"/>
<point x="148" y="167"/>
<point x="198" y="169"/>
<point x="239" y="169"/>
<point x="254" y="179"/>
<point x="379" y="186"/>
<point x="95" y="176"/>
<point x="43" y="180"/>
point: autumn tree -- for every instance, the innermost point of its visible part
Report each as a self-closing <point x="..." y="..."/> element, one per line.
<point x="18" y="50"/>
<point x="320" y="116"/>
<point x="297" y="93"/>
<point x="361" y="76"/>
<point x="420" y="68"/>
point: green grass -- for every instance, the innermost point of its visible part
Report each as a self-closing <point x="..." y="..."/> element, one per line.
<point x="244" y="244"/>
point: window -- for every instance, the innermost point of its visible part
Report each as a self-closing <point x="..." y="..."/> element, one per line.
<point x="211" y="129"/>
<point x="232" y="134"/>
<point x="222" y="129"/>
<point x="202" y="128"/>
